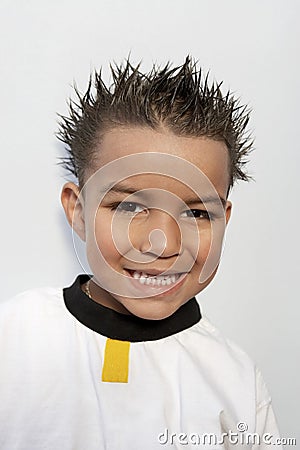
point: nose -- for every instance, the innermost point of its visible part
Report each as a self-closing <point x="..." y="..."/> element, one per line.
<point x="160" y="235"/>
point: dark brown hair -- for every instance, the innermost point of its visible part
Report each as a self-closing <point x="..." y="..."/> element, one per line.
<point x="179" y="98"/>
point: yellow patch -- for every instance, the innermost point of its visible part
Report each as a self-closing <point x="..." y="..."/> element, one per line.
<point x="116" y="361"/>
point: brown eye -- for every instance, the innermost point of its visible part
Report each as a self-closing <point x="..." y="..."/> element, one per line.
<point x="196" y="214"/>
<point x="130" y="207"/>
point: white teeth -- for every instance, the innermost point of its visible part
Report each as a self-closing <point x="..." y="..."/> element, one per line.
<point x="155" y="280"/>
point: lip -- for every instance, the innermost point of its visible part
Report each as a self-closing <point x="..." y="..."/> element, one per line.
<point x="155" y="291"/>
<point x="154" y="272"/>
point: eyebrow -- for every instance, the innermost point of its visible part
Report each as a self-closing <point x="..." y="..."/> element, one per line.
<point x="119" y="189"/>
<point x="204" y="200"/>
<point x="123" y="190"/>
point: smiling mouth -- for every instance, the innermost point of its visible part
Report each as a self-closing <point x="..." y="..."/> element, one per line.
<point x="155" y="280"/>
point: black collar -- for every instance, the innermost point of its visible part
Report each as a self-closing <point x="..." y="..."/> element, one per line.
<point x="123" y="327"/>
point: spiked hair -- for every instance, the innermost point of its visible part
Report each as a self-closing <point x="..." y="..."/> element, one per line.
<point x="179" y="98"/>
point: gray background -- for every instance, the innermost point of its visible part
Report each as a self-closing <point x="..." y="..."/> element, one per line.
<point x="252" y="46"/>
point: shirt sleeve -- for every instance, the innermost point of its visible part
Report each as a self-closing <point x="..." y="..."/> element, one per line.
<point x="266" y="425"/>
<point x="266" y="434"/>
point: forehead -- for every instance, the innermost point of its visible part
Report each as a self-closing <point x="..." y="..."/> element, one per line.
<point x="208" y="156"/>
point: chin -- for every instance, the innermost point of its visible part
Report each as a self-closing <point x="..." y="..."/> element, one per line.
<point x="155" y="311"/>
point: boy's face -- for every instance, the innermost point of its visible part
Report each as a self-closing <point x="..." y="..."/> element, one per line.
<point x="153" y="239"/>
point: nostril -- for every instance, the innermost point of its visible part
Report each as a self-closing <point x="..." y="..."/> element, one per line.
<point x="158" y="241"/>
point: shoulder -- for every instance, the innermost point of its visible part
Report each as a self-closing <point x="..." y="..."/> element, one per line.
<point x="226" y="351"/>
<point x="219" y="358"/>
<point x="33" y="322"/>
<point x="31" y="304"/>
<point x="225" y="357"/>
<point x="207" y="337"/>
<point x="33" y="295"/>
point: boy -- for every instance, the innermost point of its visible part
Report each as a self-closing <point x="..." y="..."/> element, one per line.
<point x="123" y="358"/>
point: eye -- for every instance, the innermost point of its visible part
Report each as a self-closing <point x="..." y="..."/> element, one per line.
<point x="129" y="208"/>
<point x="197" y="214"/>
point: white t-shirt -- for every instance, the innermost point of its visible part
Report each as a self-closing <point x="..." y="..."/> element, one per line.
<point x="185" y="380"/>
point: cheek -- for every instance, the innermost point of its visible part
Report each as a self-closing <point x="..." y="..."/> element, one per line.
<point x="105" y="239"/>
<point x="111" y="236"/>
<point x="99" y="237"/>
<point x="105" y="244"/>
<point x="209" y="253"/>
<point x="204" y="247"/>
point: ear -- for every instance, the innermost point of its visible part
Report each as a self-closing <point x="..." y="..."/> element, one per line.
<point x="72" y="203"/>
<point x="228" y="209"/>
